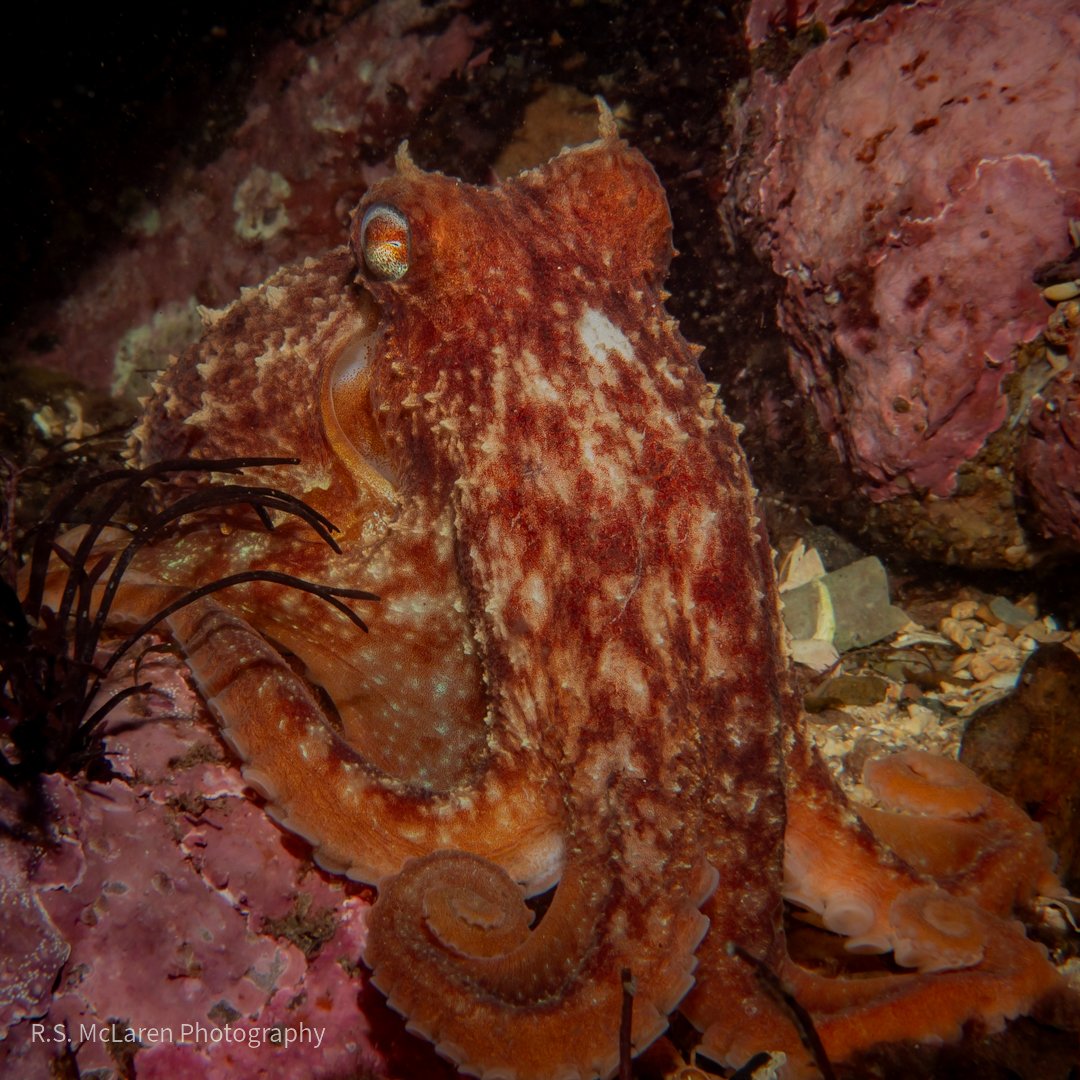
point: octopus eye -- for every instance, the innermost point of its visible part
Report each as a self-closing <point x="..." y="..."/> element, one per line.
<point x="384" y="240"/>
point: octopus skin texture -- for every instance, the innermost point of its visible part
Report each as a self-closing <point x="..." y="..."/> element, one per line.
<point x="576" y="673"/>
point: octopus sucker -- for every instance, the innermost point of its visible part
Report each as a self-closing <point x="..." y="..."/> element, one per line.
<point x="576" y="672"/>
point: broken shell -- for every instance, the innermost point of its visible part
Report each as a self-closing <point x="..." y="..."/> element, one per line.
<point x="1064" y="290"/>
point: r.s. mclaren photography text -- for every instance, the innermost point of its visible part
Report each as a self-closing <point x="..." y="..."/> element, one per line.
<point x="199" y="1033"/>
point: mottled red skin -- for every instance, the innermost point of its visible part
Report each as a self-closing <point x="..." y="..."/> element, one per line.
<point x="576" y="670"/>
<point x="574" y="565"/>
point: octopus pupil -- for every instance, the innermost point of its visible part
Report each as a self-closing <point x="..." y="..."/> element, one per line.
<point x="384" y="240"/>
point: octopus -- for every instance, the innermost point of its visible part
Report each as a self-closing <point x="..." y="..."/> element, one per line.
<point x="574" y="681"/>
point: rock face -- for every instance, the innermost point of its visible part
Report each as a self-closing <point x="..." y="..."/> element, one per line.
<point x="320" y="125"/>
<point x="908" y="179"/>
<point x="1050" y="455"/>
<point x="165" y="920"/>
<point x="1028" y="747"/>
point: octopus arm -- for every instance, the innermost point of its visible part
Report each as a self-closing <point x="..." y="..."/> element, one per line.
<point x="359" y="821"/>
<point x="942" y="820"/>
<point x="936" y="889"/>
<point x="501" y="1000"/>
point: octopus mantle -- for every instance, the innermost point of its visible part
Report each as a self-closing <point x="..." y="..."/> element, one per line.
<point x="576" y="673"/>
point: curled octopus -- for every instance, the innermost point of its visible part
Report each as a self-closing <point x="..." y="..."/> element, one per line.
<point x="576" y="674"/>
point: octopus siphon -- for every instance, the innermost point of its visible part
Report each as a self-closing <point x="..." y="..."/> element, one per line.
<point x="575" y="678"/>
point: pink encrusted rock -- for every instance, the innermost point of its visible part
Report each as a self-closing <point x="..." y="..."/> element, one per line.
<point x="907" y="179"/>
<point x="281" y="190"/>
<point x="31" y="948"/>
<point x="768" y="16"/>
<point x="307" y="1028"/>
<point x="167" y="900"/>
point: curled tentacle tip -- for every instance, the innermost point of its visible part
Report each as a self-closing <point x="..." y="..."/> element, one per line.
<point x="924" y="783"/>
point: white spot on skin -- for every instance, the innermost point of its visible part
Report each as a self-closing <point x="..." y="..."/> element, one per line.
<point x="313" y="749"/>
<point x="534" y="381"/>
<point x="603" y="765"/>
<point x="535" y="601"/>
<point x="600" y="336"/>
<point x="261" y="362"/>
<point x="619" y="674"/>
